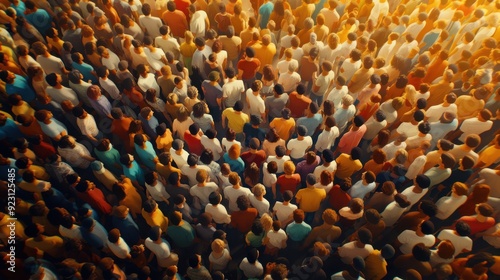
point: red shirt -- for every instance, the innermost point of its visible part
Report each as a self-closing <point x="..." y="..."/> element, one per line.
<point x="243" y="220"/>
<point x="249" y="68"/>
<point x="288" y="184"/>
<point x="338" y="198"/>
<point x="193" y="143"/>
<point x="298" y="106"/>
<point x="44" y="150"/>
<point x="183" y="6"/>
<point x="476" y="226"/>
<point x="259" y="158"/>
<point x="96" y="199"/>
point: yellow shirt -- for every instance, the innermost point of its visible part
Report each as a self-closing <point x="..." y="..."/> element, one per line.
<point x="24" y="108"/>
<point x="165" y="143"/>
<point x="283" y="127"/>
<point x="301" y="13"/>
<point x="489" y="156"/>
<point x="187" y="50"/>
<point x="132" y="199"/>
<point x="52" y="245"/>
<point x="310" y="198"/>
<point x="265" y="54"/>
<point x="236" y="121"/>
<point x="156" y="219"/>
<point x="346" y="166"/>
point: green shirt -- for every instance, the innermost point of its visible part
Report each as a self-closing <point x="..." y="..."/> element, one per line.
<point x="183" y="235"/>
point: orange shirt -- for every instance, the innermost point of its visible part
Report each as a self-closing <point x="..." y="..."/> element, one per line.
<point x="177" y="22"/>
<point x="435" y="70"/>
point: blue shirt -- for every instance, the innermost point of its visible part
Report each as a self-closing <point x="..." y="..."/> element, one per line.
<point x="134" y="173"/>
<point x="86" y="70"/>
<point x="21" y="87"/>
<point x="319" y="6"/>
<point x="10" y="131"/>
<point x="265" y="13"/>
<point x="40" y="19"/>
<point x="237" y="165"/>
<point x="146" y="155"/>
<point x="310" y="123"/>
<point x="128" y="228"/>
<point x="20" y="9"/>
<point x="298" y="232"/>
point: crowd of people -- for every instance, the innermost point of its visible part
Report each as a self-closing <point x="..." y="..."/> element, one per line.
<point x="262" y="139"/>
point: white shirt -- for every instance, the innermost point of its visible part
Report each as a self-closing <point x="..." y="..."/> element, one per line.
<point x="232" y="92"/>
<point x="155" y="58"/>
<point x="359" y="189"/>
<point x="460" y="242"/>
<point x="279" y="161"/>
<point x="51" y="64"/>
<point x="87" y="125"/>
<point x="323" y="82"/>
<point x="336" y="95"/>
<point x="197" y="24"/>
<point x="268" y="178"/>
<point x="373" y="127"/>
<point x="435" y="112"/>
<point x="289" y="81"/>
<point x="282" y="66"/>
<point x="232" y="194"/>
<point x="71" y="233"/>
<point x="199" y="57"/>
<point x="409" y="238"/>
<point x="416" y="141"/>
<point x="203" y="192"/>
<point x="191" y="173"/>
<point x="489" y="177"/>
<point x="121" y="250"/>
<point x="110" y="87"/>
<point x="390" y="149"/>
<point x="392" y="213"/>
<point x="414" y="28"/>
<point x="213" y="145"/>
<point x="161" y="251"/>
<point x="149" y="82"/>
<point x="151" y="24"/>
<point x="261" y="206"/>
<point x="283" y="211"/>
<point x="492" y="240"/>
<point x="448" y="204"/>
<point x="219" y="213"/>
<point x="319" y="169"/>
<point x="256" y="103"/>
<point x="112" y="62"/>
<point x="298" y="148"/>
<point x="168" y="45"/>
<point x="416" y="167"/>
<point x="227" y="144"/>
<point x="219" y="263"/>
<point x="181" y="159"/>
<point x="407" y="129"/>
<point x="251" y="270"/>
<point x="326" y="139"/>
<point x="413" y="197"/>
<point x="348" y="69"/>
<point x="276" y="238"/>
<point x="386" y="49"/>
<point x="64" y="93"/>
<point x="158" y="191"/>
<point x="349" y="251"/>
<point x="474" y="126"/>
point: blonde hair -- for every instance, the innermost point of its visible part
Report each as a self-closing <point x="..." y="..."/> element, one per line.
<point x="259" y="190"/>
<point x="218" y="246"/>
<point x="289" y="167"/>
<point x="267" y="222"/>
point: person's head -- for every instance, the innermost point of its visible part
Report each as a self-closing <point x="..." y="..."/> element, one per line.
<point x="364" y="236"/>
<point x="356" y="205"/>
<point x="289" y="167"/>
<point x="234" y="151"/>
<point x="280" y="151"/>
<point x="298" y="216"/>
<point x="243" y="202"/>
<point x="472" y="141"/>
<point x="356" y="153"/>
<point x="287" y="196"/>
<point x="484" y="209"/>
<point x="401" y="200"/>
<point x="421" y="253"/>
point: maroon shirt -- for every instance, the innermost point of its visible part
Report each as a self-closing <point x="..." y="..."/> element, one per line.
<point x="338" y="198"/>
<point x="259" y="158"/>
<point x="193" y="143"/>
<point x="243" y="220"/>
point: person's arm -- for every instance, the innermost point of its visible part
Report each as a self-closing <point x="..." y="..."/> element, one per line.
<point x="223" y="120"/>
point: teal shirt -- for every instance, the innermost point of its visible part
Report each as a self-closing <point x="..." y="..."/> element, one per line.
<point x="134" y="173"/>
<point x="182" y="236"/>
<point x="146" y="155"/>
<point x="109" y="158"/>
<point x="298" y="232"/>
